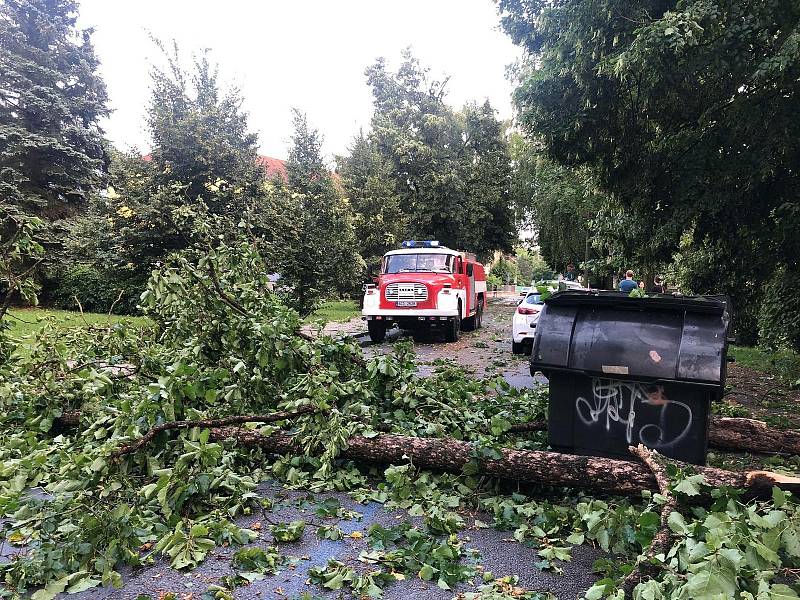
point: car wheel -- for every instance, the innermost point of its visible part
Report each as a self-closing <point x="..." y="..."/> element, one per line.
<point x="517" y="348"/>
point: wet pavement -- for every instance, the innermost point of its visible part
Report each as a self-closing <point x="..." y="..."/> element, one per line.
<point x="497" y="551"/>
<point x="485" y="352"/>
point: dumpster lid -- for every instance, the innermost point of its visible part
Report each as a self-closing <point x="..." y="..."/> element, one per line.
<point x="609" y="334"/>
<point x="715" y="305"/>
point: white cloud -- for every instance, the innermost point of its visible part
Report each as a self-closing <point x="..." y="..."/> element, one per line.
<point x="303" y="53"/>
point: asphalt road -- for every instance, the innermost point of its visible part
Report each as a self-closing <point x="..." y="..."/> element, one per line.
<point x="484" y="352"/>
<point x="499" y="553"/>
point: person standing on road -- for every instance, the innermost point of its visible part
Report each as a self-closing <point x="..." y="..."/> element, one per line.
<point x="570" y="275"/>
<point x="659" y="287"/>
<point x="627" y="285"/>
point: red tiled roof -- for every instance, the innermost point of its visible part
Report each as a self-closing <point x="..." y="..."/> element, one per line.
<point x="273" y="167"/>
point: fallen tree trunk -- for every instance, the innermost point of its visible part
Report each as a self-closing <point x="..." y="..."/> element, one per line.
<point x="731" y="433"/>
<point x="726" y="433"/>
<point x="546" y="468"/>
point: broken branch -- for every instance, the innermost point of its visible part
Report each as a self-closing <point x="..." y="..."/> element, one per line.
<point x="661" y="540"/>
<point x="209" y="423"/>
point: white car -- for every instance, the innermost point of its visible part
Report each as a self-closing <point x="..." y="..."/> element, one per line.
<point x="523" y="325"/>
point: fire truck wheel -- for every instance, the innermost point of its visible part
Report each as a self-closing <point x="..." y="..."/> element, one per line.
<point x="474" y="322"/>
<point x="454" y="331"/>
<point x="470" y="323"/>
<point x="377" y="330"/>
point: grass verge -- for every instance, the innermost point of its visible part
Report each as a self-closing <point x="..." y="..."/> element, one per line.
<point x="784" y="364"/>
<point x="338" y="311"/>
<point x="26" y="322"/>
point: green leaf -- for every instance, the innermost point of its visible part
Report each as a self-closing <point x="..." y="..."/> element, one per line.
<point x="83" y="584"/>
<point x="576" y="538"/>
<point x="690" y="485"/>
<point x="52" y="589"/>
<point x="778" y="497"/>
<point x="769" y="555"/>
<point x="596" y="592"/>
<point x="780" y="591"/>
<point x="427" y="572"/>
<point x="676" y="522"/>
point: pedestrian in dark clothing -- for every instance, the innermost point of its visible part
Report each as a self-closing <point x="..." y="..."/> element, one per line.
<point x="659" y="286"/>
<point x="571" y="275"/>
<point x="628" y="284"/>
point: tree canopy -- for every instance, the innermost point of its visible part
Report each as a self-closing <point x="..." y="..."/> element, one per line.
<point x="200" y="135"/>
<point x="686" y="113"/>
<point x="51" y="99"/>
<point x="378" y="218"/>
<point x="451" y="169"/>
<point x="323" y="261"/>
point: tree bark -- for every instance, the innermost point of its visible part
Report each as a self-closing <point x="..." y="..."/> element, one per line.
<point x="726" y="433"/>
<point x="546" y="468"/>
<point x="661" y="540"/>
<point x="730" y="433"/>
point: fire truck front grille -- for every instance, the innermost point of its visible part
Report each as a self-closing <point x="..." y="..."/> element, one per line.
<point x="406" y="291"/>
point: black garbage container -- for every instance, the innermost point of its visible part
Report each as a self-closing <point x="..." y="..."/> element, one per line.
<point x="625" y="371"/>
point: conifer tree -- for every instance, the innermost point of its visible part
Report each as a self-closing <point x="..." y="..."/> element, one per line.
<point x="51" y="151"/>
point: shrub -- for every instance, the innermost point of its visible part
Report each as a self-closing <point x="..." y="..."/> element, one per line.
<point x="97" y="290"/>
<point x="779" y="313"/>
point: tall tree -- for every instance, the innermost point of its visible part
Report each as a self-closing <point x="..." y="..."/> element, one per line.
<point x="685" y="110"/>
<point x="378" y="219"/>
<point x="448" y="167"/>
<point x="203" y="164"/>
<point x="489" y="213"/>
<point x="200" y="135"/>
<point x="51" y="99"/>
<point x="323" y="261"/>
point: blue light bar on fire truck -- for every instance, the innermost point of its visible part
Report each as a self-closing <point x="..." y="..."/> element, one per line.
<point x="420" y="244"/>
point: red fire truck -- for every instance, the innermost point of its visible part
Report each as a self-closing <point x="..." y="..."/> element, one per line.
<point x="426" y="286"/>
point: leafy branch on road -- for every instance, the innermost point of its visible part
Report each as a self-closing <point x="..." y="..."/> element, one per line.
<point x="141" y="474"/>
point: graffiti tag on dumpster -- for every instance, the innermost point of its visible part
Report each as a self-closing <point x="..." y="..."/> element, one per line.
<point x="615" y="401"/>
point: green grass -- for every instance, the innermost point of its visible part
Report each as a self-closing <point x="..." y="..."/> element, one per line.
<point x="783" y="363"/>
<point x="338" y="311"/>
<point x="25" y="322"/>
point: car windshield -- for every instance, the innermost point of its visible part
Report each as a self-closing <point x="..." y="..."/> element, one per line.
<point x="533" y="299"/>
<point x="410" y="263"/>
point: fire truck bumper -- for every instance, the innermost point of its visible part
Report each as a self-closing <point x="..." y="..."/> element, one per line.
<point x="393" y="314"/>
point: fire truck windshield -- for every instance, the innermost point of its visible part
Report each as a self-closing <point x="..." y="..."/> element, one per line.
<point x="411" y="263"/>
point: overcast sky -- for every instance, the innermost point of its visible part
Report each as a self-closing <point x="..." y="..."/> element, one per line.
<point x="299" y="53"/>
